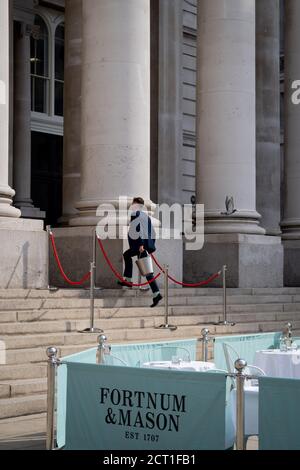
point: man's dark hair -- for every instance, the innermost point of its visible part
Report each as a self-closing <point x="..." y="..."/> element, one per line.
<point x="138" y="200"/>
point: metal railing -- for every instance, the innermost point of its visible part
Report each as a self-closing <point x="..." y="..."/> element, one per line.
<point x="240" y="365"/>
<point x="224" y="321"/>
<point x="102" y="349"/>
<point x="92" y="328"/>
<point x="206" y="339"/>
<point x="53" y="363"/>
<point x="166" y="325"/>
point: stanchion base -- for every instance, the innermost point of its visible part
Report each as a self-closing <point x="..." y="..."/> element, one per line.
<point x="52" y="288"/>
<point x="95" y="288"/>
<point x="166" y="327"/>
<point x="224" y="323"/>
<point x="91" y="330"/>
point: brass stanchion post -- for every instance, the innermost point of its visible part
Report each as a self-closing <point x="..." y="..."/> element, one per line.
<point x="53" y="363"/>
<point x="240" y="365"/>
<point x="166" y="325"/>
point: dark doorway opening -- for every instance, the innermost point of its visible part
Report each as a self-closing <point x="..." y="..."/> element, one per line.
<point x="47" y="174"/>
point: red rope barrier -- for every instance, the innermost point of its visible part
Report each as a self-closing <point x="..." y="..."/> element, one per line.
<point x="130" y="284"/>
<point x="185" y="284"/>
<point x="72" y="283"/>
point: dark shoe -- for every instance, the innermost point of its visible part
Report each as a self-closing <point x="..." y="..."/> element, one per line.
<point x="124" y="284"/>
<point x="156" y="299"/>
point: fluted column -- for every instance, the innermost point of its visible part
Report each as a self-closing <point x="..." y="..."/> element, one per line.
<point x="72" y="107"/>
<point x="22" y="117"/>
<point x="268" y="165"/>
<point x="226" y="115"/>
<point x="115" y="124"/>
<point x="291" y="218"/>
<point x="6" y="192"/>
<point x="170" y="101"/>
<point x="291" y="222"/>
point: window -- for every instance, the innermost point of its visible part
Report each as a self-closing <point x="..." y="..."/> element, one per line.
<point x="47" y="68"/>
<point x="39" y="59"/>
<point x="59" y="69"/>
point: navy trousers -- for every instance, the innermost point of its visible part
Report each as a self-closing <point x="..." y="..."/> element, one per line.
<point x="128" y="255"/>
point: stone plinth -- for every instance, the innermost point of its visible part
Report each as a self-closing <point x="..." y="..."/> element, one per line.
<point x="252" y="260"/>
<point x="291" y="263"/>
<point x="23" y="255"/>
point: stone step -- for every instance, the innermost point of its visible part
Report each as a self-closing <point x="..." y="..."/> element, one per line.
<point x="38" y="355"/>
<point x="23" y="371"/>
<point x="38" y="370"/>
<point x="81" y="314"/>
<point x="75" y="326"/>
<point x="108" y="293"/>
<point x="45" y="340"/>
<point x="130" y="302"/>
<point x="68" y="326"/>
<point x="144" y="300"/>
<point x="21" y="341"/>
<point x="21" y="387"/>
<point x="4" y="390"/>
<point x="177" y="291"/>
<point x="20" y="406"/>
<point x="119" y="312"/>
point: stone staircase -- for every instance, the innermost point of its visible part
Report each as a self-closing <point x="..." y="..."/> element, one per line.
<point x="32" y="320"/>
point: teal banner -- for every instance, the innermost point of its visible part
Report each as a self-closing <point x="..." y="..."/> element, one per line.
<point x="111" y="407"/>
<point x="128" y="354"/>
<point x="279" y="414"/>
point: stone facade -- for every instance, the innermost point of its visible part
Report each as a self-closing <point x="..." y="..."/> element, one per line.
<point x="165" y="99"/>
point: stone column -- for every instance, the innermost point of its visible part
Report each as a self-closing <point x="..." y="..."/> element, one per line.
<point x="115" y="133"/>
<point x="115" y="136"/>
<point x="23" y="253"/>
<point x="226" y="150"/>
<point x="22" y="118"/>
<point x="268" y="166"/>
<point x="226" y="114"/>
<point x="291" y="221"/>
<point x="72" y="107"/>
<point x="6" y="192"/>
<point x="170" y="101"/>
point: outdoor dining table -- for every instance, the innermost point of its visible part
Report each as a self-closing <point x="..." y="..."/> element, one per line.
<point x="276" y="363"/>
<point x="197" y="366"/>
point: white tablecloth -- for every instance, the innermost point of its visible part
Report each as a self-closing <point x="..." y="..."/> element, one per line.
<point x="196" y="366"/>
<point x="276" y="363"/>
<point x="251" y="410"/>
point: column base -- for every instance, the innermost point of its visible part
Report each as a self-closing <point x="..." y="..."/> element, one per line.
<point x="290" y="229"/>
<point x="23" y="256"/>
<point x="252" y="260"/>
<point x="31" y="212"/>
<point x="241" y="222"/>
<point x="6" y="208"/>
<point x="75" y="245"/>
<point x="291" y="270"/>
